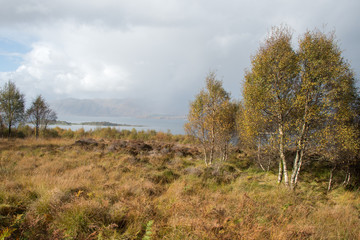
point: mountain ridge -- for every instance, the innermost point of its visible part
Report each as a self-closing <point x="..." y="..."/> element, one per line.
<point x="111" y="107"/>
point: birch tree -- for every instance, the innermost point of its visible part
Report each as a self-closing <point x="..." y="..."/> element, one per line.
<point x="325" y="99"/>
<point x="49" y="116"/>
<point x="207" y="118"/>
<point x="269" y="89"/>
<point x="196" y="122"/>
<point x="12" y="105"/>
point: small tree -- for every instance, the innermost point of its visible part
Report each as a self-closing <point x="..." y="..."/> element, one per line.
<point x="40" y="114"/>
<point x="50" y="116"/>
<point x="12" y="104"/>
<point x="208" y="118"/>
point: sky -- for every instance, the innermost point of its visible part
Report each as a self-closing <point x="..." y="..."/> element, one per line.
<point x="157" y="51"/>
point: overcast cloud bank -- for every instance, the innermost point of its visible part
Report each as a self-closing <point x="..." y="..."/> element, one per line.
<point x="155" y="51"/>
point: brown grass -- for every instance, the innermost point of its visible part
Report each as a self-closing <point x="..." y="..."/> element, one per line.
<point x="51" y="189"/>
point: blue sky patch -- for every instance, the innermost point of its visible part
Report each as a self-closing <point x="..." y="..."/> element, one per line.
<point x="11" y="53"/>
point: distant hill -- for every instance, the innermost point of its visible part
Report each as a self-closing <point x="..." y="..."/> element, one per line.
<point x="99" y="107"/>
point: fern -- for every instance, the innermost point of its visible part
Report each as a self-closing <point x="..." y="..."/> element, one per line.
<point x="6" y="233"/>
<point x="148" y="232"/>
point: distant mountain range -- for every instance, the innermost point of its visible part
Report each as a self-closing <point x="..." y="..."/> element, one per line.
<point x="100" y="107"/>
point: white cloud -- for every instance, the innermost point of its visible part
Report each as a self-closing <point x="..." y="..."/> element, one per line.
<point x="49" y="70"/>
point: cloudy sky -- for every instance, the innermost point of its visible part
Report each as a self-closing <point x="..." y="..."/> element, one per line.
<point x="157" y="51"/>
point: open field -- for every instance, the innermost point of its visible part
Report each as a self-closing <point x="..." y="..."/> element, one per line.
<point x="59" y="189"/>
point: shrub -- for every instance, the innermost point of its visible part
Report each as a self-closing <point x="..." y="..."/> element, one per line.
<point x="68" y="133"/>
<point x="24" y="131"/>
<point x="51" y="132"/>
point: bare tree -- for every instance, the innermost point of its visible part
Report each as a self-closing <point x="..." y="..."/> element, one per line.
<point x="40" y="114"/>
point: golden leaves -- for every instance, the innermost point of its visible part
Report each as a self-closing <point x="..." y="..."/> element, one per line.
<point x="310" y="92"/>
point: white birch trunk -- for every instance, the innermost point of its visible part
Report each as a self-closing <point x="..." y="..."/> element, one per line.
<point x="282" y="156"/>
<point x="280" y="175"/>
<point x="330" y="179"/>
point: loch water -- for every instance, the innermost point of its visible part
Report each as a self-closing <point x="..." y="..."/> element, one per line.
<point x="174" y="125"/>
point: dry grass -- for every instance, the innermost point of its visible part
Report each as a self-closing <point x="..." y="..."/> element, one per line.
<point x="52" y="190"/>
